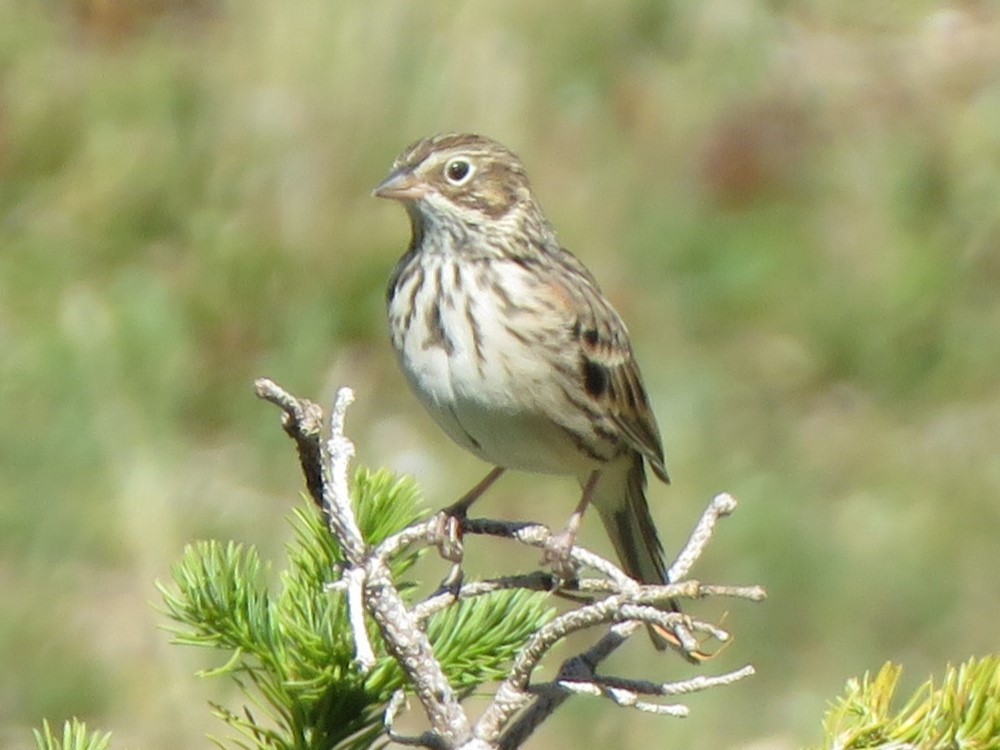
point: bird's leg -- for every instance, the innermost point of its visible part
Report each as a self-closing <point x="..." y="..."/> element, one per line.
<point x="459" y="509"/>
<point x="558" y="548"/>
<point x="452" y="520"/>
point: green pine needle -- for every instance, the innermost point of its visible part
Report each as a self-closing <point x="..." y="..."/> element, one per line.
<point x="385" y="504"/>
<point x="74" y="737"/>
<point x="963" y="714"/>
<point x="221" y="598"/>
<point x="292" y="654"/>
<point x="502" y="622"/>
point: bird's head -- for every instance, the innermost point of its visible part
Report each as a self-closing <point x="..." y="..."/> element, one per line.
<point x="458" y="179"/>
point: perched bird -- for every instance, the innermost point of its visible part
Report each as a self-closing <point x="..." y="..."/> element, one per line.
<point x="509" y="343"/>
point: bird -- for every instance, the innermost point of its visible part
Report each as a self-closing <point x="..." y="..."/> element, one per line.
<point x="509" y="343"/>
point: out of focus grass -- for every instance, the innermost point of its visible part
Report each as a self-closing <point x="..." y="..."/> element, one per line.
<point x="795" y="205"/>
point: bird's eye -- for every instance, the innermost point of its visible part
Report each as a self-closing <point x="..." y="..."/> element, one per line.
<point x="458" y="171"/>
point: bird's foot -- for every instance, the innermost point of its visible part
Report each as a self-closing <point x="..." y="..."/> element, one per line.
<point x="557" y="556"/>
<point x="450" y="532"/>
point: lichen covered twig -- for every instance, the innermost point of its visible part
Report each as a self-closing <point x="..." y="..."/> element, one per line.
<point x="604" y="597"/>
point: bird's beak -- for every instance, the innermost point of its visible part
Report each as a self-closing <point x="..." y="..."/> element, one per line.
<point x="401" y="185"/>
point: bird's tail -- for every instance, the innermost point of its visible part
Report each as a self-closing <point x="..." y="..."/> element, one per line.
<point x="620" y="499"/>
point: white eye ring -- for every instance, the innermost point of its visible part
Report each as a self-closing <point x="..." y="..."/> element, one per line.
<point x="458" y="171"/>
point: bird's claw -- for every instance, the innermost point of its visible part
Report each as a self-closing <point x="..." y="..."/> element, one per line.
<point x="451" y="528"/>
<point x="557" y="556"/>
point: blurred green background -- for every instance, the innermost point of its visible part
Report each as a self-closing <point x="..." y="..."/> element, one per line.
<point x="795" y="205"/>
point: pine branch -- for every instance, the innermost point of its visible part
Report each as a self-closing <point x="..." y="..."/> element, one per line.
<point x="962" y="714"/>
<point x="609" y="599"/>
<point x="293" y="652"/>
<point x="328" y="660"/>
<point x="74" y="737"/>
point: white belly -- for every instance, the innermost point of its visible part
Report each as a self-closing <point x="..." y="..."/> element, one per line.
<point x="491" y="393"/>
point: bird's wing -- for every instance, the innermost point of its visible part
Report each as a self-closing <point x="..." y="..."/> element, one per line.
<point x="609" y="374"/>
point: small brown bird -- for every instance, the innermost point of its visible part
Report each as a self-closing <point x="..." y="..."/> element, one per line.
<point x="509" y="343"/>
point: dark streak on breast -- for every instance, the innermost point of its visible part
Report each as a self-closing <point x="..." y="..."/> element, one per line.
<point x="477" y="336"/>
<point x="509" y="305"/>
<point x="517" y="335"/>
<point x="524" y="261"/>
<point x="411" y="308"/>
<point x="437" y="336"/>
<point x="445" y="292"/>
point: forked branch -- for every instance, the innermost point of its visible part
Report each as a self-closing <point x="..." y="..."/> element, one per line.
<point x="607" y="597"/>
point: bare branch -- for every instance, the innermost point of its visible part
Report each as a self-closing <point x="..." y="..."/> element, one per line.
<point x="626" y="692"/>
<point x="427" y="739"/>
<point x="704" y="682"/>
<point x="443" y="599"/>
<point x="624" y="698"/>
<point x="753" y="593"/>
<point x="607" y="598"/>
<point x="336" y="453"/>
<point x="550" y="697"/>
<point x="423" y="533"/>
<point x="303" y="421"/>
<point x="680" y="687"/>
<point x="722" y="505"/>
<point x="365" y="655"/>
<point x="404" y="639"/>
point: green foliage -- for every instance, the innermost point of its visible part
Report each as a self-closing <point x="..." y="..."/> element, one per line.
<point x="502" y="622"/>
<point x="74" y="737"/>
<point x="963" y="714"/>
<point x="292" y="653"/>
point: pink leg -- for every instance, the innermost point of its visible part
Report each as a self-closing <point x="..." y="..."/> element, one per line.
<point x="463" y="504"/>
<point x="557" y="552"/>
<point x="452" y="519"/>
